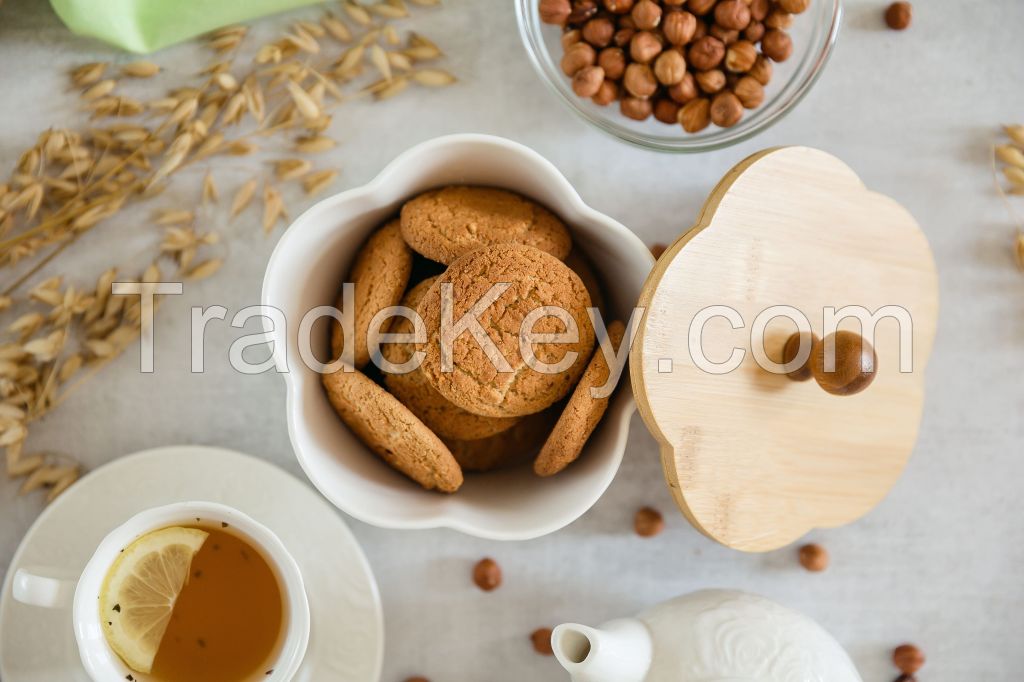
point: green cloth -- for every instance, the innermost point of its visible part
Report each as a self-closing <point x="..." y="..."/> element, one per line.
<point x="148" y="25"/>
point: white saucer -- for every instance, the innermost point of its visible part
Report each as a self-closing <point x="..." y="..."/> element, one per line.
<point x="347" y="640"/>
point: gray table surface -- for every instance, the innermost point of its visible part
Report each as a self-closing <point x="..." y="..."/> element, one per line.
<point x="938" y="562"/>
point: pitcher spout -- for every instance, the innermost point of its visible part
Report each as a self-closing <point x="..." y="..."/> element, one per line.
<point x="618" y="651"/>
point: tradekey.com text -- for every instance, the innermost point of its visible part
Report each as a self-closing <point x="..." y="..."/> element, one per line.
<point x="309" y="336"/>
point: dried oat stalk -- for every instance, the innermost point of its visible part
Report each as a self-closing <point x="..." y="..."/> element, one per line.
<point x="54" y="332"/>
<point x="1009" y="155"/>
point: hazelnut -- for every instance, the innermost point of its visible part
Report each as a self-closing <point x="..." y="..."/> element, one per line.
<point x="648" y="522"/>
<point x="740" y="56"/>
<point x="726" y="35"/>
<point x="644" y="47"/>
<point x="623" y="36"/>
<point x="706" y="53"/>
<point x="733" y="14"/>
<point x="750" y="92"/>
<point x="554" y="11"/>
<point x="726" y="110"/>
<point x="777" y="45"/>
<point x="700" y="7"/>
<point x="762" y="70"/>
<point x="646" y="15"/>
<point x="899" y="15"/>
<point x="618" y="6"/>
<point x="487" y="574"/>
<point x="577" y="57"/>
<point x="598" y="31"/>
<point x="695" y="115"/>
<point x="759" y="9"/>
<point x="636" y="108"/>
<point x="679" y="27"/>
<point x="778" y="19"/>
<point x="711" y="81"/>
<point x="418" y="678"/>
<point x="794" y="6"/>
<point x="658" y="249"/>
<point x="700" y="31"/>
<point x="908" y="658"/>
<point x="613" y="61"/>
<point x="639" y="80"/>
<point x="587" y="81"/>
<point x="814" y="558"/>
<point x="685" y="90"/>
<point x="666" y="111"/>
<point x="607" y="93"/>
<point x="626" y="21"/>
<point x="754" y="32"/>
<point x="582" y="10"/>
<point x="541" y="638"/>
<point x="670" y="67"/>
<point x="571" y="38"/>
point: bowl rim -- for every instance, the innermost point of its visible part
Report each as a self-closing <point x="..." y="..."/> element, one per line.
<point x="727" y="138"/>
<point x="620" y="411"/>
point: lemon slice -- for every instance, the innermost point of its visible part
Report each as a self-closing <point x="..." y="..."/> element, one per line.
<point x="140" y="590"/>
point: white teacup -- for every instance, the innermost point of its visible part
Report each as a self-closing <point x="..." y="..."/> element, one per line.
<point x="34" y="587"/>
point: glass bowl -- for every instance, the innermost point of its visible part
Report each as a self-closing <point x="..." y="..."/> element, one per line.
<point x="814" y="35"/>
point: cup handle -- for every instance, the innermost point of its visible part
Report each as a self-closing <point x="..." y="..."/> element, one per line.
<point x="36" y="588"/>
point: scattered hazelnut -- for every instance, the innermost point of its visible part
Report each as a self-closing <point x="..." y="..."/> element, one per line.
<point x="777" y="45"/>
<point x="582" y="10"/>
<point x="623" y="36"/>
<point x="726" y="35"/>
<point x="554" y="11"/>
<point x="778" y="19"/>
<point x="626" y="21"/>
<point x="670" y="67"/>
<point x="417" y="679"/>
<point x="814" y="558"/>
<point x="644" y="47"/>
<point x="487" y="574"/>
<point x="759" y="9"/>
<point x="679" y="27"/>
<point x="700" y="7"/>
<point x="636" y="108"/>
<point x="648" y="522"/>
<point x="646" y="15"/>
<point x="607" y="93"/>
<point x="733" y="14"/>
<point x="685" y="90"/>
<point x="570" y="38"/>
<point x="618" y="6"/>
<point x="906" y="678"/>
<point x="700" y="31"/>
<point x="673" y="3"/>
<point x="711" y="81"/>
<point x="899" y="15"/>
<point x="657" y="250"/>
<point x="587" y="81"/>
<point x="908" y="658"/>
<point x="639" y="80"/>
<point x="726" y="110"/>
<point x="541" y="638"/>
<point x="598" y="31"/>
<point x="794" y="6"/>
<point x="706" y="53"/>
<point x="754" y="32"/>
<point x="577" y="57"/>
<point x="762" y="70"/>
<point x="666" y="111"/>
<point x="613" y="61"/>
<point x="695" y="115"/>
<point x="750" y="92"/>
<point x="740" y="56"/>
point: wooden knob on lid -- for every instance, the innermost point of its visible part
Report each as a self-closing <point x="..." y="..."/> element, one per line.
<point x="855" y="362"/>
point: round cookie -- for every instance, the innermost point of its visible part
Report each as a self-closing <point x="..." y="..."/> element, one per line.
<point x="445" y="223"/>
<point x="414" y="391"/>
<point x="534" y="279"/>
<point x="380" y="274"/>
<point x="388" y="428"/>
<point x="510" y="448"/>
<point x="581" y="415"/>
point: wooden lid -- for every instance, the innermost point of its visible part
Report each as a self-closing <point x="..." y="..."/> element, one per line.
<point x="753" y="458"/>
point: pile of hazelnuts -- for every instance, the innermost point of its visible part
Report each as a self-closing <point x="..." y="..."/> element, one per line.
<point x="687" y="62"/>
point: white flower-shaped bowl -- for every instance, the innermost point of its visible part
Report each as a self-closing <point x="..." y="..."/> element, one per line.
<point x="307" y="269"/>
